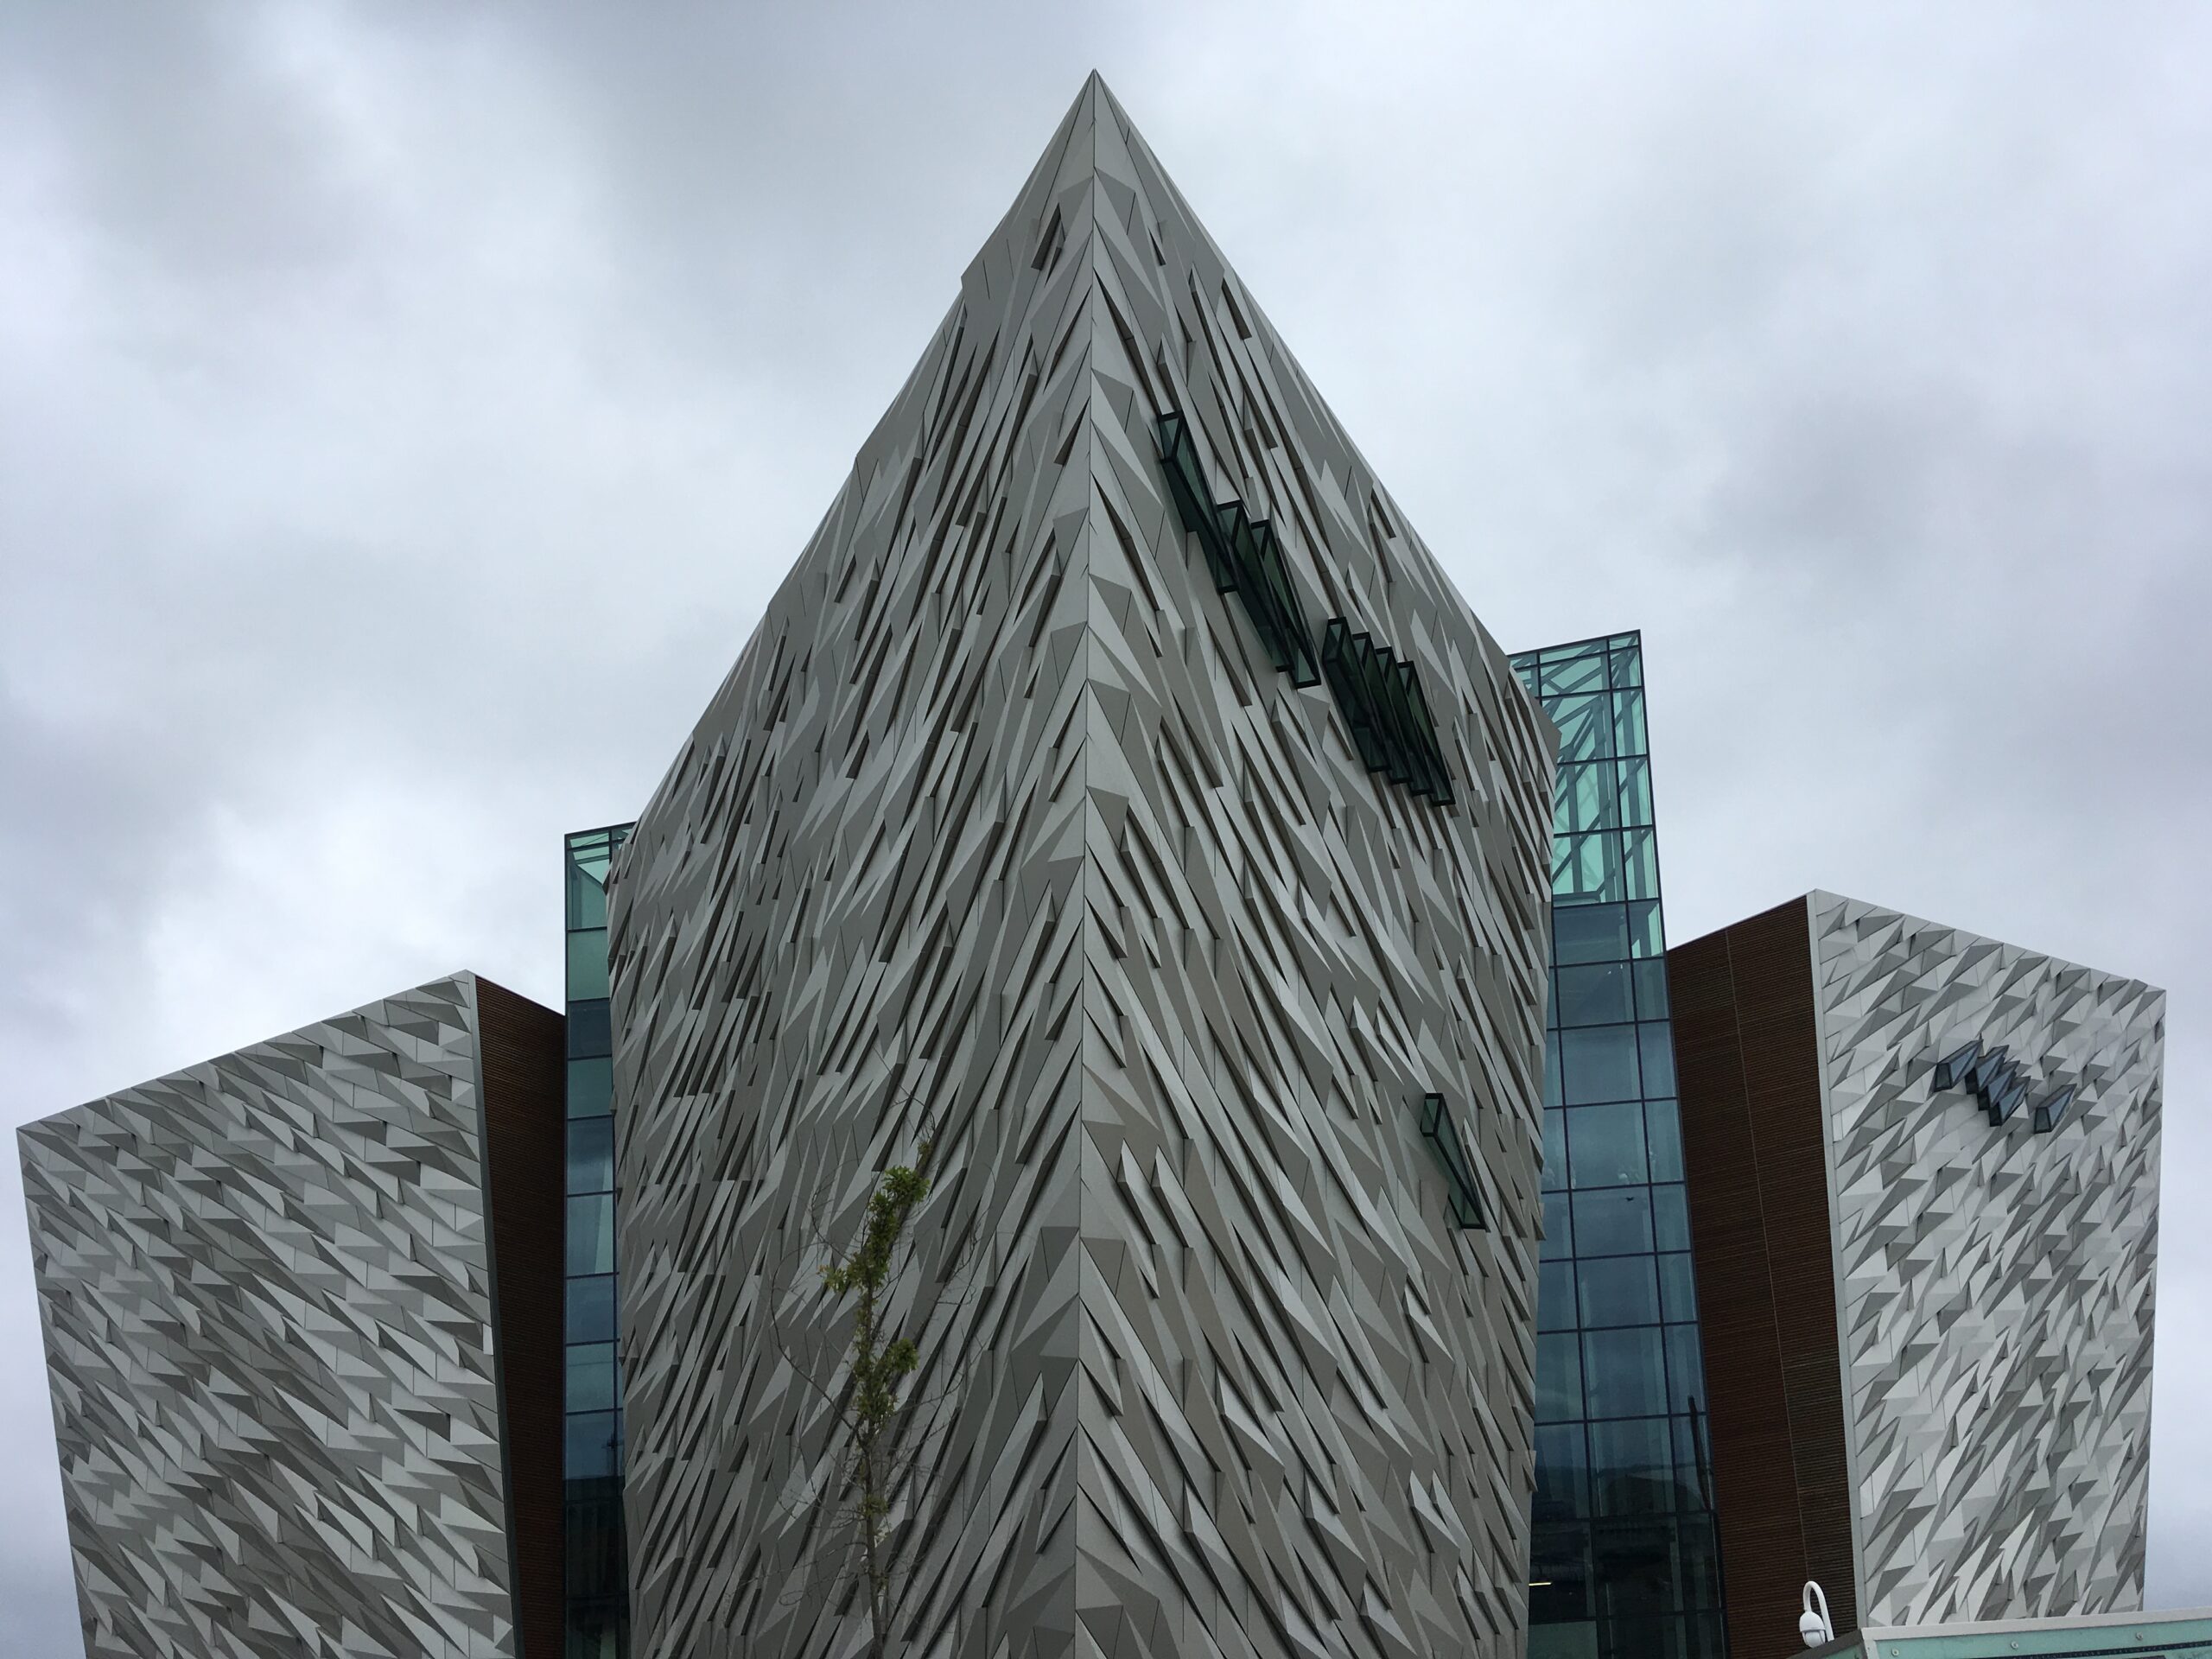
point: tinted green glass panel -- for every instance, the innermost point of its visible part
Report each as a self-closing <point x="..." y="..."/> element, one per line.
<point x="1634" y="780"/>
<point x="1583" y="671"/>
<point x="1598" y="995"/>
<point x="1628" y="665"/>
<point x="1554" y="1175"/>
<point x="1558" y="1227"/>
<point x="1625" y="1372"/>
<point x="1647" y="936"/>
<point x="1590" y="933"/>
<point x="1559" y="1574"/>
<point x="1551" y="1070"/>
<point x="592" y="1445"/>
<point x="1562" y="1474"/>
<point x="1588" y="796"/>
<point x="1700" y="1563"/>
<point x="1618" y="1290"/>
<point x="591" y="1235"/>
<point x="1556" y="1296"/>
<point x="1663" y="1138"/>
<point x="1606" y="1145"/>
<point x="1691" y="1483"/>
<point x="1597" y="1063"/>
<point x="1614" y="1223"/>
<point x="1677" y="1286"/>
<point x="1628" y="723"/>
<point x="1639" y="857"/>
<point x="591" y="1377"/>
<point x="1553" y="1637"/>
<point x="1586" y="727"/>
<point x="1670" y="1218"/>
<point x="1685" y="1368"/>
<point x="1558" y="1377"/>
<point x="1588" y="868"/>
<point x="591" y="1309"/>
<point x="1632" y="1466"/>
<point x="591" y="1087"/>
<point x="1650" y="989"/>
<point x="1656" y="1044"/>
<point x="590" y="1030"/>
<point x="591" y="1155"/>
<point x="588" y="964"/>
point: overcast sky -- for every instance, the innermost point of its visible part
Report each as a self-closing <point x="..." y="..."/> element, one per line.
<point x="404" y="411"/>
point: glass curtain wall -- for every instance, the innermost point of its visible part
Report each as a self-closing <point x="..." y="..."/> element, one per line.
<point x="1624" y="1563"/>
<point x="597" y="1570"/>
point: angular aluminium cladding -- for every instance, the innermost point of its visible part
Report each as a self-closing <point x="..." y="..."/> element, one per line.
<point x="1003" y="835"/>
<point x="1928" y="1334"/>
<point x="305" y="1375"/>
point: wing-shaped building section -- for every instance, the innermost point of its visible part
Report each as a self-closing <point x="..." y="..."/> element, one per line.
<point x="1118" y="801"/>
<point x="301" y="1307"/>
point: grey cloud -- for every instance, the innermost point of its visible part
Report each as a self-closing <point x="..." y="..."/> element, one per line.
<point x="404" y="411"/>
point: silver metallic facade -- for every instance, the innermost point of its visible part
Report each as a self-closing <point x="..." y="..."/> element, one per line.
<point x="265" y="1287"/>
<point x="1002" y="833"/>
<point x="1993" y="1283"/>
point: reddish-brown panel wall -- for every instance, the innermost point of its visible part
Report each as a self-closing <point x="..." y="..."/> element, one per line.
<point x="526" y="1149"/>
<point x="1746" y="1050"/>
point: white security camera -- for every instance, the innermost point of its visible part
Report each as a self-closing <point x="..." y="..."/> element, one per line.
<point x="1816" y="1626"/>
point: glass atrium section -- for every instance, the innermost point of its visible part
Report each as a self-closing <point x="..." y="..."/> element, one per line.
<point x="1624" y="1563"/>
<point x="598" y="1591"/>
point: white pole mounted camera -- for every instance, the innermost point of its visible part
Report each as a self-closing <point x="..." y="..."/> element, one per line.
<point x="1815" y="1626"/>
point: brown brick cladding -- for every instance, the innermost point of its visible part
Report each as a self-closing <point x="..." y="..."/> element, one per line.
<point x="525" y="1149"/>
<point x="1746" y="1048"/>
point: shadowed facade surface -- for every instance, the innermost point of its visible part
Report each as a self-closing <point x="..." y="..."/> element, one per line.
<point x="297" y="1414"/>
<point x="1928" y="1334"/>
<point x="1008" y="832"/>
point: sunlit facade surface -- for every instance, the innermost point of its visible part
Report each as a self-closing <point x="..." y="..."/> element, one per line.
<point x="597" y="1586"/>
<point x="1623" y="1562"/>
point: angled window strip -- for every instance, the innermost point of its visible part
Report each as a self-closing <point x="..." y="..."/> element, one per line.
<point x="2000" y="1083"/>
<point x="1379" y="696"/>
<point x="1443" y="1133"/>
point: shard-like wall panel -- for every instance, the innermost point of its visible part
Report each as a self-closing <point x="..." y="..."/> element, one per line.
<point x="265" y="1287"/>
<point x="1994" y="1284"/>
<point x="1004" y="833"/>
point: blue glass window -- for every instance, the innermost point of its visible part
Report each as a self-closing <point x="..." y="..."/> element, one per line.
<point x="1677" y="1287"/>
<point x="588" y="965"/>
<point x="591" y="1309"/>
<point x="591" y="1377"/>
<point x="1632" y="1466"/>
<point x="1556" y="1296"/>
<point x="1559" y="1228"/>
<point x="1597" y="1063"/>
<point x="591" y="1087"/>
<point x="591" y="1155"/>
<point x="594" y="1446"/>
<point x="1590" y="933"/>
<point x="1597" y="995"/>
<point x="1616" y="1223"/>
<point x="1619" y="1290"/>
<point x="1562" y="1474"/>
<point x="589" y="1030"/>
<point x="1606" y="1145"/>
<point x="1625" y="1372"/>
<point x="1559" y="1379"/>
<point x="591" y="1235"/>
